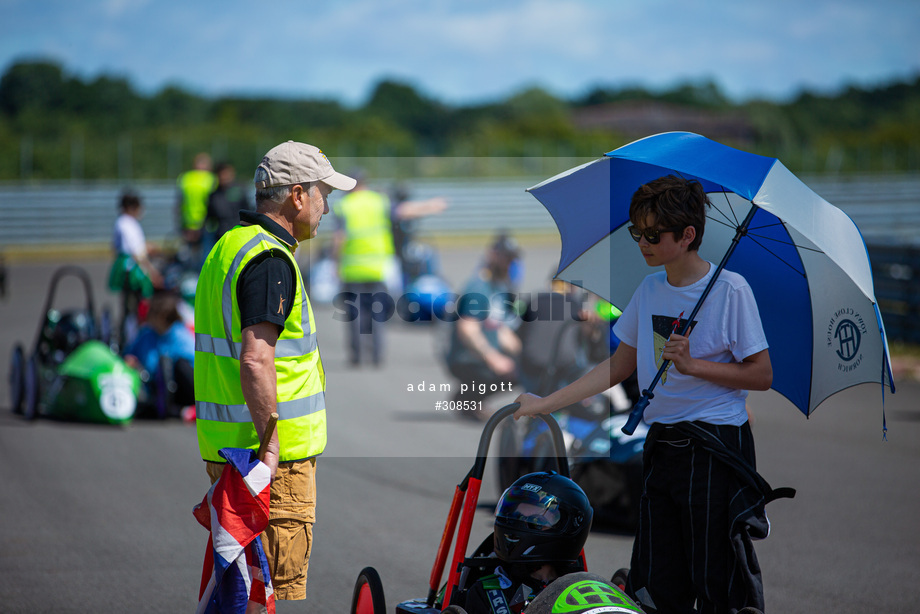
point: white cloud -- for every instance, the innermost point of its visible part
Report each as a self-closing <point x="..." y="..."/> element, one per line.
<point x="470" y="50"/>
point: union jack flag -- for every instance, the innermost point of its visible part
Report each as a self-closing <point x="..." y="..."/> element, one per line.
<point x="235" y="511"/>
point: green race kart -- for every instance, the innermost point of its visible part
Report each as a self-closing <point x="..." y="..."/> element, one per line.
<point x="72" y="373"/>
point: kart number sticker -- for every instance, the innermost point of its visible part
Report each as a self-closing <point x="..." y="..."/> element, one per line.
<point x="116" y="396"/>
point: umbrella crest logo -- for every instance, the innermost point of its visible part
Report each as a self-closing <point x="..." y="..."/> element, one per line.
<point x="844" y="336"/>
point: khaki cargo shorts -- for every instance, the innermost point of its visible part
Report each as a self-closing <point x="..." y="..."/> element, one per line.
<point x="288" y="540"/>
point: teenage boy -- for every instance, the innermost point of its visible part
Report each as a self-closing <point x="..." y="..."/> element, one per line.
<point x="690" y="550"/>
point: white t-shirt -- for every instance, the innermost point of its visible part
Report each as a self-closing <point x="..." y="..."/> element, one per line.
<point x="726" y="329"/>
<point x="128" y="237"/>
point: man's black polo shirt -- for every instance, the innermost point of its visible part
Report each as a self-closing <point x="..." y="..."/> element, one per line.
<point x="267" y="284"/>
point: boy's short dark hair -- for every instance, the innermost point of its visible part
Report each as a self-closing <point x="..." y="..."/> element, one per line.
<point x="675" y="202"/>
<point x="129" y="201"/>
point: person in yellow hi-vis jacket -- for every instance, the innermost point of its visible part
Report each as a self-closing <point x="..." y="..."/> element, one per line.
<point x="364" y="246"/>
<point x="256" y="351"/>
<point x="194" y="186"/>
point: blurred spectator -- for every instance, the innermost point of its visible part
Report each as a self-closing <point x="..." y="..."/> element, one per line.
<point x="192" y="203"/>
<point x="224" y="205"/>
<point x="364" y="249"/>
<point x="132" y="274"/>
<point x="484" y="346"/>
<point x="164" y="350"/>
<point x="129" y="241"/>
<point x="515" y="275"/>
<point x="560" y="337"/>
<point x="564" y="333"/>
<point x="406" y="213"/>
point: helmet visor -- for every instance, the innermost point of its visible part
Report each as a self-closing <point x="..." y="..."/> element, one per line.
<point x="538" y="509"/>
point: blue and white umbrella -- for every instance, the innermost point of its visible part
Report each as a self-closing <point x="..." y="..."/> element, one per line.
<point x="805" y="260"/>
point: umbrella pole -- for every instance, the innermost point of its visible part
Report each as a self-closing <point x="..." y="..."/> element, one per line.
<point x="635" y="416"/>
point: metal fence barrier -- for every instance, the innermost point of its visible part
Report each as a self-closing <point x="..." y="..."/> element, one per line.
<point x="896" y="272"/>
<point x="886" y="208"/>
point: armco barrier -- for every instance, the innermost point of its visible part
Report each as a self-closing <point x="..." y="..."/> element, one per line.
<point x="885" y="207"/>
<point x="896" y="271"/>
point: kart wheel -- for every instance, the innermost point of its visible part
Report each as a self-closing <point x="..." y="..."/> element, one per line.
<point x="368" y="595"/>
<point x="17" y="379"/>
<point x="619" y="578"/>
<point x="31" y="394"/>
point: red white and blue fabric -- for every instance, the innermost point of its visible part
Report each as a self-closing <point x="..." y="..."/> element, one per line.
<point x="235" y="510"/>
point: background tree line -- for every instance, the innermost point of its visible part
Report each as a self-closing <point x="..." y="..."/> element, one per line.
<point x="55" y="126"/>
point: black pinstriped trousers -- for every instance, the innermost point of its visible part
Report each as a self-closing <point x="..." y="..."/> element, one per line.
<point x="685" y="555"/>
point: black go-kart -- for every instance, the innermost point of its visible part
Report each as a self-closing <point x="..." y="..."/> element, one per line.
<point x="605" y="462"/>
<point x="576" y="593"/>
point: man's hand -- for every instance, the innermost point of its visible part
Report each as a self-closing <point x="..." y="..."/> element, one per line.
<point x="271" y="456"/>
<point x="268" y="444"/>
<point x="260" y="382"/>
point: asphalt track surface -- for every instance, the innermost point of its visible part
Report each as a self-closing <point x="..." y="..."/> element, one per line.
<point x="99" y="518"/>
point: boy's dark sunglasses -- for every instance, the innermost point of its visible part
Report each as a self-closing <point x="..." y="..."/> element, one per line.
<point x="652" y="235"/>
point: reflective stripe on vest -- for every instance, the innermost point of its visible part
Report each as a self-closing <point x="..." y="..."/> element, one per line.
<point x="296" y="408"/>
<point x="284" y="348"/>
<point x="223" y="418"/>
<point x="368" y="247"/>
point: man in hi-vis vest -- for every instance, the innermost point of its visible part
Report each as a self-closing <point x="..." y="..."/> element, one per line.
<point x="364" y="247"/>
<point x="194" y="187"/>
<point x="256" y="353"/>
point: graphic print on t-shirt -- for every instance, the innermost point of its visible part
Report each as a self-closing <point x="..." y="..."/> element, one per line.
<point x="662" y="328"/>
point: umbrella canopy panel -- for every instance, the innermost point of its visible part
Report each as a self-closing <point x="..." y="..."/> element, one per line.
<point x="805" y="260"/>
<point x="824" y="332"/>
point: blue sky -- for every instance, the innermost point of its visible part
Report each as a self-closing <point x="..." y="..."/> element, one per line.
<point x="469" y="51"/>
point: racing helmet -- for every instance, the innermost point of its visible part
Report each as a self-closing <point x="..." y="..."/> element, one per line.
<point x="69" y="330"/>
<point x="542" y="518"/>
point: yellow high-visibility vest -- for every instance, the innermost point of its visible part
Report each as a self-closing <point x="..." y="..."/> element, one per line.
<point x="195" y="187"/>
<point x="368" y="249"/>
<point x="223" y="419"/>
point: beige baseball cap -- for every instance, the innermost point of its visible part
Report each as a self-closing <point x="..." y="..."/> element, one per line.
<point x="292" y="162"/>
